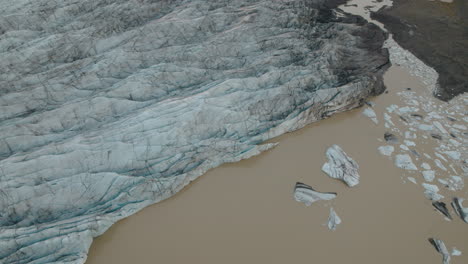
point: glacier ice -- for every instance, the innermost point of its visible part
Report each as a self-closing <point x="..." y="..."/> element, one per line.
<point x="341" y="166"/>
<point x="108" y="106"/>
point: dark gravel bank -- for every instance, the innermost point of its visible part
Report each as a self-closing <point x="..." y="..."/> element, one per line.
<point x="437" y="33"/>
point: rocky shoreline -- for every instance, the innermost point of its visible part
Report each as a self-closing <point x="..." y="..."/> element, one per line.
<point x="436" y="32"/>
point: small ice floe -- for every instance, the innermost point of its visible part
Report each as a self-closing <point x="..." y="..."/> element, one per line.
<point x="439" y="126"/>
<point x="409" y="143"/>
<point x="454" y="183"/>
<point x="425" y="166"/>
<point x="333" y="220"/>
<point x="404" y="147"/>
<point x="404" y="161"/>
<point x="455" y="155"/>
<point x="428" y="175"/>
<point x="436" y="136"/>
<point x="413" y="180"/>
<point x="417" y="116"/>
<point x="341" y="166"/>
<point x="454" y="142"/>
<point x="386" y="150"/>
<point x="369" y="112"/>
<point x="415" y="153"/>
<point x="388" y="119"/>
<point x="408" y="109"/>
<point x="307" y="195"/>
<point x="425" y="127"/>
<point x="459" y="126"/>
<point x="392" y="108"/>
<point x="439" y="164"/>
<point x="410" y="135"/>
<point x="462" y="212"/>
<point x="427" y="156"/>
<point x="442" y="208"/>
<point x="440" y="156"/>
<point x="456" y="252"/>
<point x="441" y="248"/>
<point x="431" y="192"/>
<point x="391" y="138"/>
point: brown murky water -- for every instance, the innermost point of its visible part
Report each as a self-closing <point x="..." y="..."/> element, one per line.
<point x="245" y="212"/>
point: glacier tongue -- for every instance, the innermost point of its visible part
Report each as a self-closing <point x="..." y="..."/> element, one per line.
<point x="107" y="106"/>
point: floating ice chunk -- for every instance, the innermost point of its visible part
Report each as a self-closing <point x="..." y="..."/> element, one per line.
<point x="461" y="211"/>
<point x="409" y="143"/>
<point x="307" y="195"/>
<point x="442" y="208"/>
<point x="392" y="108"/>
<point x="427" y="156"/>
<point x="425" y="127"/>
<point x="369" y="112"/>
<point x="425" y="166"/>
<point x="431" y="192"/>
<point x="440" y="156"/>
<point x="388" y="119"/>
<point x="408" y="109"/>
<point x="341" y="166"/>
<point x="455" y="155"/>
<point x="454" y="142"/>
<point x="428" y="175"/>
<point x="404" y="147"/>
<point x="333" y="220"/>
<point x="454" y="183"/>
<point x="404" y="161"/>
<point x="413" y="180"/>
<point x="439" y="164"/>
<point x="461" y="127"/>
<point x="389" y="137"/>
<point x="410" y="135"/>
<point x="386" y="150"/>
<point x="439" y="126"/>
<point x="441" y="248"/>
<point x="456" y="252"/>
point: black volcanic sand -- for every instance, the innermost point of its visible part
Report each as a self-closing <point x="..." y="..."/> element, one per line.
<point x="437" y="33"/>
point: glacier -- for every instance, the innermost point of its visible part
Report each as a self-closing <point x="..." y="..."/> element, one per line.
<point x="108" y="106"/>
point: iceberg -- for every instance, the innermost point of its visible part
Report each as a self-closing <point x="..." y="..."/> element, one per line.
<point x="306" y="194"/>
<point x="341" y="166"/>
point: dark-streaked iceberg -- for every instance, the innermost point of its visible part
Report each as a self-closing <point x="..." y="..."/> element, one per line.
<point x="107" y="106"/>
